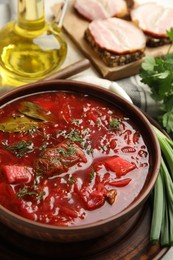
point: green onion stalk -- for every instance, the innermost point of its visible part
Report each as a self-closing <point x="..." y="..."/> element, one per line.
<point x="162" y="213"/>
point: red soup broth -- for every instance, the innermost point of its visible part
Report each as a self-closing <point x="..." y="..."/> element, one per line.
<point x="69" y="159"/>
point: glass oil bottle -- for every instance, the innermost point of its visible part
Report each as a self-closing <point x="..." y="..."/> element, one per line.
<point x="30" y="49"/>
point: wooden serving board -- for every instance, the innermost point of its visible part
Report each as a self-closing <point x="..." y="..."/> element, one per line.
<point x="75" y="26"/>
<point x="130" y="241"/>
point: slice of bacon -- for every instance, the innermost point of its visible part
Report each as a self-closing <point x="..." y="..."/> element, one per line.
<point x="153" y="19"/>
<point x="101" y="9"/>
<point x="117" y="35"/>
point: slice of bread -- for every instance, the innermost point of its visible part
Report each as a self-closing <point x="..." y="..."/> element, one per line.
<point x="117" y="42"/>
<point x="154" y="20"/>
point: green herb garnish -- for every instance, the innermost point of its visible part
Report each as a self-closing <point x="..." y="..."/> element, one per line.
<point x="157" y="73"/>
<point x="67" y="152"/>
<point x="104" y="148"/>
<point x="25" y="191"/>
<point x="92" y="175"/>
<point x="89" y="149"/>
<point x="72" y="180"/>
<point x="30" y="191"/>
<point x="19" y="148"/>
<point x="41" y="195"/>
<point x="74" y="136"/>
<point x="114" y="123"/>
<point x="77" y="122"/>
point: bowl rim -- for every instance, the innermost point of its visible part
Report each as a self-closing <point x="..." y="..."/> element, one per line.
<point x="35" y="88"/>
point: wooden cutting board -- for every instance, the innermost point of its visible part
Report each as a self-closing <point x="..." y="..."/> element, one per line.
<point x="75" y="26"/>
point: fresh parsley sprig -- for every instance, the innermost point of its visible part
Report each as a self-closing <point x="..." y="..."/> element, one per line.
<point x="157" y="73"/>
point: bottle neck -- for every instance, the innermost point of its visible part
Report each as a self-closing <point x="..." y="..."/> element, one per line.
<point x="31" y="14"/>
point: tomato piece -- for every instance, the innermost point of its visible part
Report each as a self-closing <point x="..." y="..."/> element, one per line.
<point x="119" y="165"/>
<point x="93" y="197"/>
<point x="120" y="183"/>
<point x="68" y="211"/>
<point x="17" y="174"/>
<point x="97" y="197"/>
<point x="95" y="201"/>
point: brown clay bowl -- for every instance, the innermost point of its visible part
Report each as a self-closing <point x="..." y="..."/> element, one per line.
<point x="47" y="232"/>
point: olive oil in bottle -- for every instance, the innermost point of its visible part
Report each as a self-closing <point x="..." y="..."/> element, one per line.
<point x="30" y="49"/>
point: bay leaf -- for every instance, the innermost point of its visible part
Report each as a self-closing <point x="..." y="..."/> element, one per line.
<point x="37" y="112"/>
<point x="18" y="124"/>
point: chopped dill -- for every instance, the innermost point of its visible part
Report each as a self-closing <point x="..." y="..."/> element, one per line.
<point x="19" y="148"/>
<point x="92" y="175"/>
<point x="72" y="180"/>
<point x="114" y="123"/>
<point x="74" y="135"/>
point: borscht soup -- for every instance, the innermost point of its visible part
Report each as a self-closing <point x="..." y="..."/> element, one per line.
<point x="69" y="159"/>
